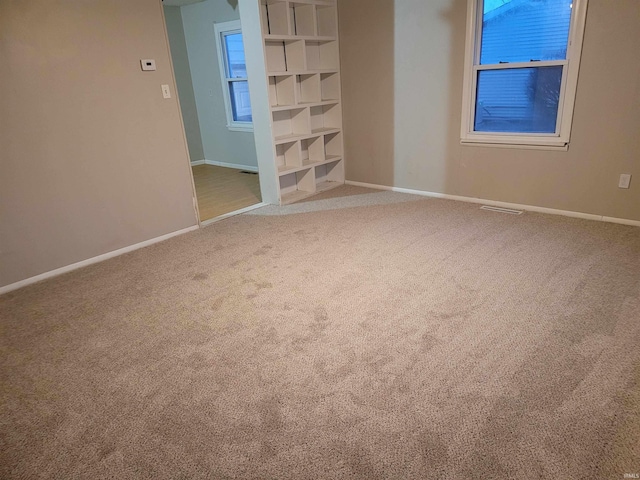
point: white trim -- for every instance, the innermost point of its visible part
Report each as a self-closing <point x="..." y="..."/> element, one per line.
<point x="574" y="55"/>
<point x="91" y="261"/>
<point x="568" y="87"/>
<point x="198" y="162"/>
<point x="516" y="65"/>
<point x="471" y="57"/>
<point x="237" y="127"/>
<point x="237" y="166"/>
<point x="220" y="29"/>
<point x="250" y="17"/>
<point x="232" y="214"/>
<point x="517" y="206"/>
<point x="194" y="200"/>
<point x="558" y="148"/>
<point x="621" y="221"/>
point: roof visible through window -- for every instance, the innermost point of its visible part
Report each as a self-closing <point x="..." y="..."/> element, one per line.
<point x="490" y="5"/>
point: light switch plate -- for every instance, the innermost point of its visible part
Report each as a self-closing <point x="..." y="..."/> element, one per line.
<point x="625" y="180"/>
<point x="148" y="64"/>
<point x="166" y="93"/>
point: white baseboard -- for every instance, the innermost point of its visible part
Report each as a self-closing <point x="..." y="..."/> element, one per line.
<point x="248" y="168"/>
<point x="198" y="162"/>
<point x="232" y="214"/>
<point x="621" y="221"/>
<point x="494" y="203"/>
<point x="90" y="261"/>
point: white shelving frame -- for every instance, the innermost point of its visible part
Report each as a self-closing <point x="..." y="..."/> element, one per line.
<point x="301" y="49"/>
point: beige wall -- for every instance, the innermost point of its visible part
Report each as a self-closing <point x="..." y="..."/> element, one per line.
<point x="93" y="158"/>
<point x="425" y="153"/>
<point x="367" y="77"/>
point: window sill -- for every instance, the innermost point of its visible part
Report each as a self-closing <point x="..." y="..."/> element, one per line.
<point x="553" y="148"/>
<point x="237" y="128"/>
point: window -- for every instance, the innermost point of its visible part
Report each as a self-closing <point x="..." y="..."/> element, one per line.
<point x="233" y="72"/>
<point x="521" y="71"/>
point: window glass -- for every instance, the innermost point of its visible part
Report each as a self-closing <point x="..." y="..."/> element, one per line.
<point x="240" y="103"/>
<point x="523" y="100"/>
<point x="235" y="56"/>
<point x="233" y="73"/>
<point x="525" y="30"/>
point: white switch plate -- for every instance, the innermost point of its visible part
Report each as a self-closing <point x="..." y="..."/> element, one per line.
<point x="166" y="93"/>
<point x="148" y="64"/>
<point x="625" y="180"/>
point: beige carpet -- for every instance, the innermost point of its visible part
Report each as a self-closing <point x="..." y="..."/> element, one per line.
<point x="409" y="339"/>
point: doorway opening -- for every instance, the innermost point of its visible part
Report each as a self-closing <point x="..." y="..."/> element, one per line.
<point x="207" y="50"/>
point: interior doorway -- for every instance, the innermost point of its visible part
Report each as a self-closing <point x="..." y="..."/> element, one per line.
<point x="222" y="190"/>
<point x="207" y="51"/>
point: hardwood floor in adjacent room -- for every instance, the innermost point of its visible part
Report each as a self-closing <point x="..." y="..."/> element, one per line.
<point x="223" y="190"/>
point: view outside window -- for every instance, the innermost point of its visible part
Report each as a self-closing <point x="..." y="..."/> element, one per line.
<point x="523" y="52"/>
<point x="237" y="77"/>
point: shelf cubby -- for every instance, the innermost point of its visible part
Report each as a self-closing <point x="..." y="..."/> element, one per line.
<point x="333" y="145"/>
<point x="325" y="117"/>
<point x="302" y="18"/>
<point x="308" y="88"/>
<point x="275" y="57"/>
<point x="327" y="25"/>
<point x="322" y="55"/>
<point x="328" y="175"/>
<point x="330" y="86"/>
<point x="295" y="55"/>
<point x="297" y="185"/>
<point x="299" y="18"/>
<point x="285" y="55"/>
<point x="312" y="150"/>
<point x="274" y="17"/>
<point x="291" y="122"/>
<point x="282" y="90"/>
<point x="288" y="155"/>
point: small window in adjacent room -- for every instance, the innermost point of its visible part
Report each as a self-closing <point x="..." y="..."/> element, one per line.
<point x="521" y="71"/>
<point x="233" y="72"/>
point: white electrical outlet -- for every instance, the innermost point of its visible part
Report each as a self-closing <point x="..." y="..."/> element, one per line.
<point x="625" y="180"/>
<point x="166" y="93"/>
<point x="148" y="64"/>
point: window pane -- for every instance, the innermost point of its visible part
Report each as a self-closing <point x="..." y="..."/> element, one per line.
<point x="235" y="56"/>
<point x="521" y="100"/>
<point x="240" y="103"/>
<point x="524" y="30"/>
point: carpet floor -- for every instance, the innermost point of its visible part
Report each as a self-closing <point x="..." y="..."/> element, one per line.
<point x="361" y="335"/>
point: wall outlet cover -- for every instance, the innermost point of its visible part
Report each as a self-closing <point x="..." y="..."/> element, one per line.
<point x="625" y="180"/>
<point x="148" y="64"/>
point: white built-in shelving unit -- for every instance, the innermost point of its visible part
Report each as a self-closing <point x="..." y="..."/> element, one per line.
<point x="303" y="70"/>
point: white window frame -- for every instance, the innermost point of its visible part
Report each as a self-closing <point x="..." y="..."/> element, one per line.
<point x="221" y="29"/>
<point x="571" y="66"/>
